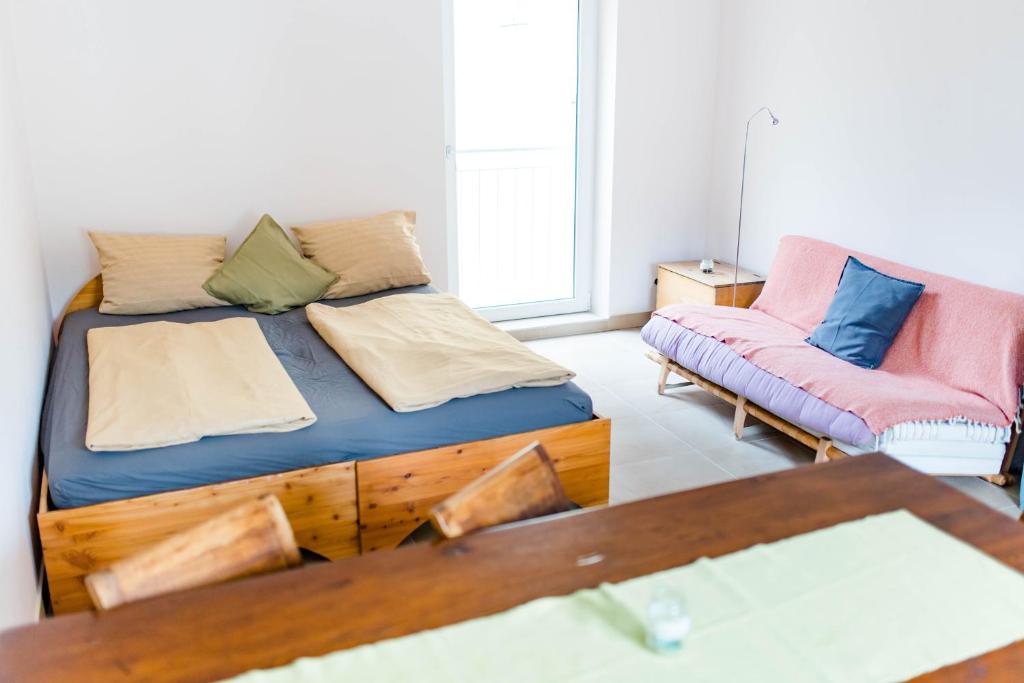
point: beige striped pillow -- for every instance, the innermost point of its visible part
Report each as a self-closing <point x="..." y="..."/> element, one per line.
<point x="157" y="273"/>
<point x="368" y="254"/>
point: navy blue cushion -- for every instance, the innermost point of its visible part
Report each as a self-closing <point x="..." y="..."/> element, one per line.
<point x="865" y="315"/>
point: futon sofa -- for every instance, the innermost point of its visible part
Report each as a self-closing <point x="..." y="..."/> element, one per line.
<point x="945" y="400"/>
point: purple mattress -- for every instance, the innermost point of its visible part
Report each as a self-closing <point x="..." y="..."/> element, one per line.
<point x="715" y="361"/>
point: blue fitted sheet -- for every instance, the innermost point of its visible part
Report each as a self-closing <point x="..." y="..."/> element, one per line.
<point x="353" y="423"/>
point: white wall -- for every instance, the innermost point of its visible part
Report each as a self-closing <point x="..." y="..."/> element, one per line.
<point x="198" y="116"/>
<point x="902" y="131"/>
<point x="24" y="352"/>
<point x="666" y="54"/>
<point x="901" y="126"/>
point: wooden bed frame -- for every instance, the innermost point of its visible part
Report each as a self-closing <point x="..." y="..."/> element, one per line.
<point x="336" y="510"/>
<point x="822" y="446"/>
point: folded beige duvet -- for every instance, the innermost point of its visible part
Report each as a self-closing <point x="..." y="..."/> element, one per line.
<point x="421" y="350"/>
<point x="160" y="384"/>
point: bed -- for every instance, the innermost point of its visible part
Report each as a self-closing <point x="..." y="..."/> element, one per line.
<point x="358" y="480"/>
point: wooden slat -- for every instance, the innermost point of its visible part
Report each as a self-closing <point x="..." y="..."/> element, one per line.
<point x="44" y="493"/>
<point x="251" y="538"/>
<point x="521" y="487"/>
<point x="320" y="503"/>
<point x="213" y="633"/>
<point x="692" y="377"/>
<point x="1004" y="478"/>
<point x="397" y="493"/>
<point x="739" y="418"/>
<point x="89" y="296"/>
<point x="792" y="431"/>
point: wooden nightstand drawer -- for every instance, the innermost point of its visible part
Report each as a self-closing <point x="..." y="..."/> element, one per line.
<point x="683" y="282"/>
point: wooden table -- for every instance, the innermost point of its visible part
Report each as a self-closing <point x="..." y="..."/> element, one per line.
<point x="268" y="621"/>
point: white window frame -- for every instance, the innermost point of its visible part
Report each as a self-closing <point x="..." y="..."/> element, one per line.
<point x="586" y="108"/>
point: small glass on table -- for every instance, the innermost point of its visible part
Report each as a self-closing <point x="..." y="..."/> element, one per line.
<point x="668" y="621"/>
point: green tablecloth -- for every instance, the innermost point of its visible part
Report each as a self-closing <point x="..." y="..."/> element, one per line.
<point x="877" y="599"/>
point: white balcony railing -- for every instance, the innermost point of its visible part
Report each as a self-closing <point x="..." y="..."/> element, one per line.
<point x="515" y="225"/>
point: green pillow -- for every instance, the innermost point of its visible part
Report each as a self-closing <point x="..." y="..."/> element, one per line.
<point x="267" y="274"/>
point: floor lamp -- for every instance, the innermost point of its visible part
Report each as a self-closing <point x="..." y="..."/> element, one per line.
<point x="743" y="182"/>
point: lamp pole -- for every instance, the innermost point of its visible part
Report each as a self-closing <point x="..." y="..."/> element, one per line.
<point x="743" y="183"/>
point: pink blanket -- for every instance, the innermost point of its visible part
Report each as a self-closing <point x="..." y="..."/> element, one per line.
<point x="960" y="353"/>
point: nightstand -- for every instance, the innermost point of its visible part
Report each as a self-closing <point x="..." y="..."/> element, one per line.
<point x="682" y="282"/>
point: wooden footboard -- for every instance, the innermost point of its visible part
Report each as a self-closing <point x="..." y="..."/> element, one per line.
<point x="396" y="493"/>
<point x="393" y="493"/>
<point x="320" y="503"/>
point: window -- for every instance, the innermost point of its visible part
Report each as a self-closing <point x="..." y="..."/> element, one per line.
<point x="521" y="192"/>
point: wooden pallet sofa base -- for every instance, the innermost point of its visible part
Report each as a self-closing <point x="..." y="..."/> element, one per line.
<point x="335" y="510"/>
<point x="822" y="446"/>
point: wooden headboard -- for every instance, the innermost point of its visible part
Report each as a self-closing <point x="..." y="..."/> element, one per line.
<point x="89" y="296"/>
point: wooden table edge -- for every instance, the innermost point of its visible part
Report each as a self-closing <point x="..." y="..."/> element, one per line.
<point x="119" y="645"/>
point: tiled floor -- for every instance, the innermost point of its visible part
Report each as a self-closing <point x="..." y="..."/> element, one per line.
<point x="685" y="440"/>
